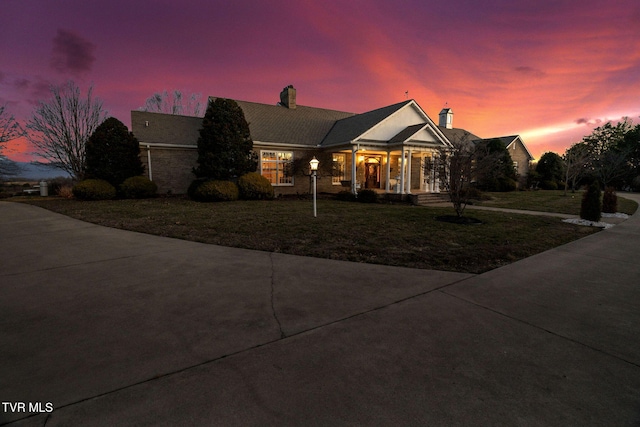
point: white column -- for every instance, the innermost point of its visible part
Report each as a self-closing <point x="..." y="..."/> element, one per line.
<point x="149" y="162"/>
<point x="354" y="152"/>
<point x="402" y="172"/>
<point x="409" y="172"/>
<point x="386" y="184"/>
<point x="436" y="176"/>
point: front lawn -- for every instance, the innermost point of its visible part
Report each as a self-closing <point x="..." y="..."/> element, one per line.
<point x="547" y="201"/>
<point x="400" y="235"/>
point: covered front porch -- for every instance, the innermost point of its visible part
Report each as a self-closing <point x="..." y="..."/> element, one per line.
<point x="394" y="171"/>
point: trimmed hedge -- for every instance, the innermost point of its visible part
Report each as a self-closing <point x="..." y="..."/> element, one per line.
<point x="94" y="189"/>
<point x="138" y="187"/>
<point x="215" y="191"/>
<point x="253" y="186"/>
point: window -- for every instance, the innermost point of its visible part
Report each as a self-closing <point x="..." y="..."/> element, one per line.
<point x="339" y="168"/>
<point x="275" y="166"/>
<point x="515" y="166"/>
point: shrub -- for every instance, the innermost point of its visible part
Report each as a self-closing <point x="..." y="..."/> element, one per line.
<point x="216" y="191"/>
<point x="507" y="184"/>
<point x="367" y="196"/>
<point x="610" y="200"/>
<point x="345" y="196"/>
<point x="591" y="207"/>
<point x="473" y="193"/>
<point x="549" y="185"/>
<point x="66" y="191"/>
<point x="193" y="187"/>
<point x="94" y="189"/>
<point x="138" y="187"/>
<point x="56" y="184"/>
<point x="112" y="153"/>
<point x="253" y="186"/>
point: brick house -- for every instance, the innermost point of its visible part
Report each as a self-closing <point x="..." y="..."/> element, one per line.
<point x="382" y="149"/>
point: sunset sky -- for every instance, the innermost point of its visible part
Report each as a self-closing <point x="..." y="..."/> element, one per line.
<point x="549" y="70"/>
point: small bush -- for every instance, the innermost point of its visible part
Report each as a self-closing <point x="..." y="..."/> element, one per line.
<point x="216" y="191"/>
<point x="65" y="191"/>
<point x="473" y="193"/>
<point x="549" y="185"/>
<point x="94" y="189"/>
<point x="253" y="186"/>
<point x="345" y="196"/>
<point x="138" y="187"/>
<point x="609" y="200"/>
<point x="591" y="207"/>
<point x="193" y="187"/>
<point x="507" y="184"/>
<point x="367" y="196"/>
<point x="56" y="184"/>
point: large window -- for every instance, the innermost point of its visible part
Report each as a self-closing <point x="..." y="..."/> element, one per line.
<point x="339" y="168"/>
<point x="276" y="166"/>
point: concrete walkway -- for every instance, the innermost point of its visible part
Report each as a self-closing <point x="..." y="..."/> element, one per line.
<point x="109" y="327"/>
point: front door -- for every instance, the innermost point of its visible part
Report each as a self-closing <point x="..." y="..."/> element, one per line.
<point x="372" y="174"/>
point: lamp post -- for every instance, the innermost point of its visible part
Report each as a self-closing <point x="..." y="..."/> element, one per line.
<point x="314" y="171"/>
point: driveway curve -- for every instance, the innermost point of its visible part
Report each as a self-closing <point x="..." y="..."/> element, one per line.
<point x="110" y="327"/>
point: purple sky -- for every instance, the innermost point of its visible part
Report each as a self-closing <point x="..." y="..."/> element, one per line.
<point x="548" y="70"/>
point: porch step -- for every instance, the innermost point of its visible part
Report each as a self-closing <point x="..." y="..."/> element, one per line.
<point x="426" y="199"/>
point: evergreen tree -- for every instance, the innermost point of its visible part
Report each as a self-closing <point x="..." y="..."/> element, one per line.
<point x="225" y="148"/>
<point x="113" y="153"/>
<point x="591" y="206"/>
<point x="494" y="166"/>
<point x="551" y="167"/>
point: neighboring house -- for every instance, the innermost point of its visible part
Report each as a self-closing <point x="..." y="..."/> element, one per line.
<point x="383" y="149"/>
<point x="520" y="155"/>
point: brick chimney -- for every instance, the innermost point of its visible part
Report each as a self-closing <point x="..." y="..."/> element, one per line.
<point x="446" y="118"/>
<point x="288" y="97"/>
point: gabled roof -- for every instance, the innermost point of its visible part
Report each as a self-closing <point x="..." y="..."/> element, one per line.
<point x="280" y="125"/>
<point x="508" y="140"/>
<point x="348" y="129"/>
<point x="457" y="134"/>
<point x="407" y="133"/>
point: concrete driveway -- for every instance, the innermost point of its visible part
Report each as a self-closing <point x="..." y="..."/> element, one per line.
<point x="108" y="327"/>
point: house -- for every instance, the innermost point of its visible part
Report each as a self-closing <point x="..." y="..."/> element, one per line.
<point x="520" y="155"/>
<point x="382" y="149"/>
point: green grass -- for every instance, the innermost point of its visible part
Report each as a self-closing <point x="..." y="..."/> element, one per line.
<point x="548" y="201"/>
<point x="399" y="235"/>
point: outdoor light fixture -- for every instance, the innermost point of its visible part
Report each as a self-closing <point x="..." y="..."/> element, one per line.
<point x="313" y="164"/>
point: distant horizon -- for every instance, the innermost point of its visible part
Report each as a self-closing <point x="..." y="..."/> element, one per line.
<point x="548" y="71"/>
<point x="34" y="172"/>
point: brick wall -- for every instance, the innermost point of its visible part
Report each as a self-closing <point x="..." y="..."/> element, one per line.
<point x="519" y="154"/>
<point x="171" y="168"/>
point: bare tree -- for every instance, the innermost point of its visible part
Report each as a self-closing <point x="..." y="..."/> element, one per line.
<point x="60" y="127"/>
<point x="174" y="103"/>
<point x="457" y="167"/>
<point x="10" y="129"/>
<point x="576" y="159"/>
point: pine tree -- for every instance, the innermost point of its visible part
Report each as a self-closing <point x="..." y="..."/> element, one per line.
<point x="113" y="153"/>
<point x="225" y="148"/>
